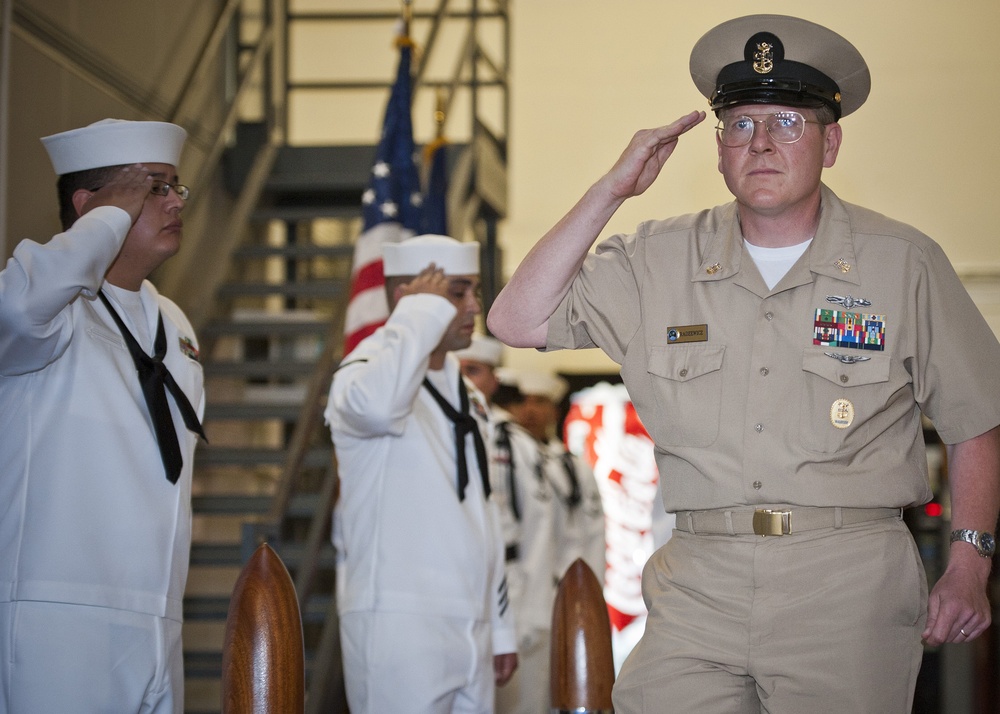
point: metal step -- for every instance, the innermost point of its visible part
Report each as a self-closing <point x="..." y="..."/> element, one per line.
<point x="216" y="554"/>
<point x="260" y="369"/>
<point x="297" y="252"/>
<point x="217" y="608"/>
<point x="200" y="664"/>
<point x="321" y="207"/>
<point x="327" y="289"/>
<point x="240" y="456"/>
<point x="274" y="329"/>
<point x="240" y="411"/>
<point x="300" y="505"/>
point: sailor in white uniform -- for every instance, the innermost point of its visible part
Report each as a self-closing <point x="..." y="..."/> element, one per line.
<point x="425" y="615"/>
<point x="100" y="404"/>
<point x="527" y="517"/>
<point x="580" y="512"/>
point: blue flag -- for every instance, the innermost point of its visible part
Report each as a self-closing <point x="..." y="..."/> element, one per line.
<point x="435" y="218"/>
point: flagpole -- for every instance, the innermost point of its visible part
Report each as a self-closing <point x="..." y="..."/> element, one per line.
<point x="435" y="213"/>
<point x="439" y="112"/>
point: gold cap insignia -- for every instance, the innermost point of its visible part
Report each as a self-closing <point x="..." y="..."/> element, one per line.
<point x="763" y="58"/>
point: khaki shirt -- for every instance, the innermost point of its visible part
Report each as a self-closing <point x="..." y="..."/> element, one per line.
<point x="743" y="407"/>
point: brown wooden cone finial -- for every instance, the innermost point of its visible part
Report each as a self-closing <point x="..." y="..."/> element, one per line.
<point x="263" y="668"/>
<point x="583" y="668"/>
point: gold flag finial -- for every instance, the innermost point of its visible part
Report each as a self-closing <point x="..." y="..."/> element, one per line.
<point x="407" y="16"/>
<point x="440" y="114"/>
<point x="406" y="19"/>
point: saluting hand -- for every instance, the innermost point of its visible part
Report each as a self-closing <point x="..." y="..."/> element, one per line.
<point x="430" y="280"/>
<point x="127" y="190"/>
<point x="644" y="157"/>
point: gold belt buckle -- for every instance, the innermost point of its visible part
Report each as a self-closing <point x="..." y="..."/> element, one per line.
<point x="772" y="523"/>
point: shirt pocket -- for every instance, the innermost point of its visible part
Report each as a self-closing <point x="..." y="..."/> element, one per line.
<point x="839" y="400"/>
<point x="687" y="390"/>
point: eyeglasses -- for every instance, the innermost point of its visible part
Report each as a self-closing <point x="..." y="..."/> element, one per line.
<point x="783" y="127"/>
<point x="162" y="188"/>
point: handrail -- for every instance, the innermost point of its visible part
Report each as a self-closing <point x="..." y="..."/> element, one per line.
<point x="428" y="49"/>
<point x="212" y="159"/>
<point x="308" y="418"/>
<point x="211" y="48"/>
<point x="270" y="42"/>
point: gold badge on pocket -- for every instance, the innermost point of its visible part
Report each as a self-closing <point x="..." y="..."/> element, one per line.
<point x="842" y="413"/>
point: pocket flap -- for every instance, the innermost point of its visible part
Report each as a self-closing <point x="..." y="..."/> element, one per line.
<point x="870" y="371"/>
<point x="682" y="363"/>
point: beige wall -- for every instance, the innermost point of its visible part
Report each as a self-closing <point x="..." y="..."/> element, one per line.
<point x="588" y="73"/>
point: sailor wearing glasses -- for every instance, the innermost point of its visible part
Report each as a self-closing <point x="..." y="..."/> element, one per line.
<point x="787" y="425"/>
<point x="97" y="442"/>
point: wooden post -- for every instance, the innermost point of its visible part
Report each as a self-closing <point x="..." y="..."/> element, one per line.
<point x="263" y="670"/>
<point x="583" y="668"/>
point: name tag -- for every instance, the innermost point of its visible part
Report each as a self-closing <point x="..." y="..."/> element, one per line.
<point x="687" y="333"/>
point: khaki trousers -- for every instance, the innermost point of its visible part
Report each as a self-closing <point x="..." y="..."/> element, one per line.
<point x="824" y="621"/>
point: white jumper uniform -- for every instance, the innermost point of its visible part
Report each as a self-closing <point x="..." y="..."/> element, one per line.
<point x="580" y="511"/>
<point x="422" y="593"/>
<point x="527" y="517"/>
<point x="87" y="515"/>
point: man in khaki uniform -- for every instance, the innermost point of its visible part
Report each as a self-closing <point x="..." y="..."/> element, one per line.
<point x="780" y="351"/>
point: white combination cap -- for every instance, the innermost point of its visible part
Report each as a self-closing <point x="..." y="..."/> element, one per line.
<point x="487" y="350"/>
<point x="412" y="255"/>
<point x="542" y="384"/>
<point x="112" y="142"/>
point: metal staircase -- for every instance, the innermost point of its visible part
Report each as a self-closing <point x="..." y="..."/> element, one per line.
<point x="269" y="306"/>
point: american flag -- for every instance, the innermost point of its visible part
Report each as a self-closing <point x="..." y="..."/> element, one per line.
<point x="391" y="207"/>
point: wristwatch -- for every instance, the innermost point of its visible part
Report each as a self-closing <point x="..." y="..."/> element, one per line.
<point x="984" y="542"/>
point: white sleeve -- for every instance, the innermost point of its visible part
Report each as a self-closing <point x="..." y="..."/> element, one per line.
<point x="374" y="389"/>
<point x="504" y="626"/>
<point x="41" y="280"/>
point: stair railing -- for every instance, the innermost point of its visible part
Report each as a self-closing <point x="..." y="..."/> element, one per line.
<point x="186" y="277"/>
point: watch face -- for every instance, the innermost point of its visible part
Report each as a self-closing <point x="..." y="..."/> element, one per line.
<point x="987" y="543"/>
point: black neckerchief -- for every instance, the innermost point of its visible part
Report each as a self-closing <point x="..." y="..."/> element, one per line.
<point x="575" y="495"/>
<point x="464" y="423"/>
<point x="504" y="447"/>
<point x="155" y="379"/>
